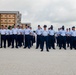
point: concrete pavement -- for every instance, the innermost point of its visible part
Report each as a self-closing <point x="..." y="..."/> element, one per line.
<point x="33" y="62"/>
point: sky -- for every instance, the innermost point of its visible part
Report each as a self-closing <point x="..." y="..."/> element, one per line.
<point x="43" y="12"/>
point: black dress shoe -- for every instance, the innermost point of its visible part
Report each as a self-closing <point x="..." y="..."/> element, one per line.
<point x="49" y="47"/>
<point x="65" y="48"/>
<point x="54" y="48"/>
<point x="24" y="47"/>
<point x="75" y="48"/>
<point x="70" y="48"/>
<point x="41" y="50"/>
<point x="9" y="46"/>
<point x="29" y="48"/>
<point x="36" y="48"/>
<point x="47" y="50"/>
<point x="60" y="48"/>
<point x="16" y="47"/>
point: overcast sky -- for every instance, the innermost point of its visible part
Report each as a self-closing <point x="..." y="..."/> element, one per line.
<point x="55" y="12"/>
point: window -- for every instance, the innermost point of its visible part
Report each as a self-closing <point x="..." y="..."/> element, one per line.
<point x="3" y="15"/>
<point x="13" y="15"/>
<point x="13" y="21"/>
<point x="1" y="20"/>
<point x="5" y="20"/>
<point x="9" y="15"/>
<point x="9" y="20"/>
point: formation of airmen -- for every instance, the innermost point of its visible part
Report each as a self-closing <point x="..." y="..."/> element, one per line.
<point x="17" y="37"/>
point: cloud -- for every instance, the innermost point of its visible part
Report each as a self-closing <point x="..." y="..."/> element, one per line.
<point x="57" y="12"/>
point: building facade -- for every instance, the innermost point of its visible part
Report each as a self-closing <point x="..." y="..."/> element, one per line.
<point x="10" y="18"/>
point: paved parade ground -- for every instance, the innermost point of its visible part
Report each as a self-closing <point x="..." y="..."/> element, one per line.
<point x="33" y="62"/>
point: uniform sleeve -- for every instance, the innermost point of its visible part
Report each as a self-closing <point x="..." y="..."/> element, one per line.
<point x="71" y="32"/>
<point x="9" y="31"/>
<point x="32" y="33"/>
<point x="12" y="31"/>
<point x="56" y="33"/>
<point x="42" y="32"/>
<point x="66" y="32"/>
<point x="59" y="32"/>
<point x="5" y="31"/>
<point x="48" y="32"/>
<point x="30" y="30"/>
<point x="17" y="31"/>
<point x="23" y="31"/>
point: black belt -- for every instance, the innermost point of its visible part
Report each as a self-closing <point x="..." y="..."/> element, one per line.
<point x="44" y="36"/>
<point x="1" y="34"/>
<point x="14" y="34"/>
<point x="51" y="35"/>
<point x="63" y="36"/>
<point x="38" y="35"/>
<point x="28" y="34"/>
<point x="73" y="36"/>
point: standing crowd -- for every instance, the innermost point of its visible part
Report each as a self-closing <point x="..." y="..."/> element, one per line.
<point x="17" y="37"/>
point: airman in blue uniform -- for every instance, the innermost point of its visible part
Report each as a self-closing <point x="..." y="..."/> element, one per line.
<point x="62" y="38"/>
<point x="38" y="41"/>
<point x="44" y="38"/>
<point x="52" y="37"/>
